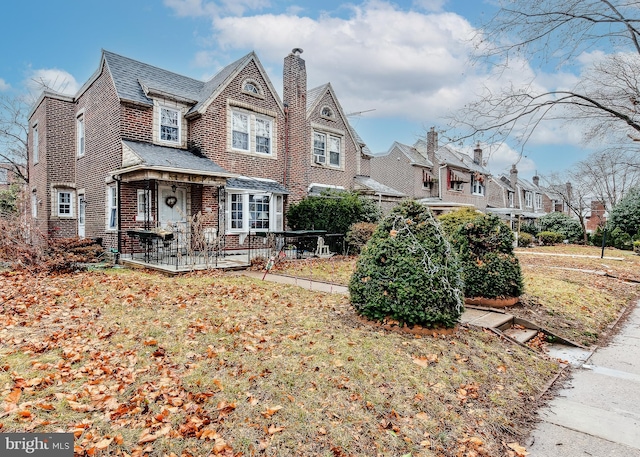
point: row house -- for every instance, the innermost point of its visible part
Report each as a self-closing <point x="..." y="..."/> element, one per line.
<point x="440" y="177"/>
<point x="141" y="148"/>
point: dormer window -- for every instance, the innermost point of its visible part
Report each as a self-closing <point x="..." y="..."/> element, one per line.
<point x="251" y="87"/>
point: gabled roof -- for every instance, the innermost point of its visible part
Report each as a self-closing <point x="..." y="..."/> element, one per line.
<point x="505" y="182"/>
<point x="151" y="156"/>
<point x="449" y="156"/>
<point x="313" y="98"/>
<point x="414" y="156"/>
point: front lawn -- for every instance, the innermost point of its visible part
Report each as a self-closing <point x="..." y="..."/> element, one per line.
<point x="142" y="364"/>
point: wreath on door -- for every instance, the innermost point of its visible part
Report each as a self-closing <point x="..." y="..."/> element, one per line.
<point x="171" y="201"/>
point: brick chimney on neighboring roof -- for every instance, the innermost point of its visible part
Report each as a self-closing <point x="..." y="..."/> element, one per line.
<point x="477" y="154"/>
<point x="432" y="145"/>
<point x="513" y="176"/>
<point x="536" y="180"/>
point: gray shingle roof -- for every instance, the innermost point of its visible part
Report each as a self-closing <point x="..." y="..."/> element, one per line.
<point x="412" y="154"/>
<point x="377" y="187"/>
<point x="153" y="155"/>
<point x="127" y="72"/>
<point x="259" y="185"/>
<point x="313" y="94"/>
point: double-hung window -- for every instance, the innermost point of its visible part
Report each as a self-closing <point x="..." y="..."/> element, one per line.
<point x="112" y="207"/>
<point x="80" y="135"/>
<point x="170" y="125"/>
<point x="528" y="199"/>
<point x="538" y="201"/>
<point x="251" y="132"/>
<point x="65" y="206"/>
<point x="477" y="186"/>
<point x="326" y="149"/>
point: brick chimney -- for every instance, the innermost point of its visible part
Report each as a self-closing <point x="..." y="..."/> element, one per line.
<point x="432" y="145"/>
<point x="294" y="94"/>
<point x="536" y="181"/>
<point x="477" y="155"/>
<point x="513" y="176"/>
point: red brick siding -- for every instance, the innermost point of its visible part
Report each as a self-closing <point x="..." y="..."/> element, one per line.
<point x="137" y="122"/>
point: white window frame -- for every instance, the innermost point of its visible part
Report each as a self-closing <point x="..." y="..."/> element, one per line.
<point x="178" y="114"/>
<point x="477" y="188"/>
<point x="251" y="130"/>
<point x="111" y="222"/>
<point x="36" y="144"/>
<point x="240" y="207"/>
<point x="144" y="198"/>
<point x="80" y="135"/>
<point x="66" y="205"/>
<point x="538" y="201"/>
<point x="323" y="151"/>
<point x="511" y="198"/>
<point x="528" y="199"/>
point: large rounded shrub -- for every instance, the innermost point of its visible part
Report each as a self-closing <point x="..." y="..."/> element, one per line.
<point x="561" y="223"/>
<point x="449" y="222"/>
<point x="408" y="272"/>
<point x="626" y="214"/>
<point x="489" y="267"/>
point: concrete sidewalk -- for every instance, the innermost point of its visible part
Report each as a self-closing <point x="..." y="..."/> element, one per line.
<point x="598" y="413"/>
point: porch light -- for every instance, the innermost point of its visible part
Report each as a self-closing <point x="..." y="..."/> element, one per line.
<point x="173" y="188"/>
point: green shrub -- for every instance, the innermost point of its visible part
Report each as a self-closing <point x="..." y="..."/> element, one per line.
<point x="358" y="235"/>
<point x="525" y="240"/>
<point x="530" y="228"/>
<point x="333" y="211"/>
<point x="450" y="222"/>
<point x="408" y="271"/>
<point x="489" y="267"/>
<point x="626" y="214"/>
<point x="561" y="223"/>
<point x="636" y="247"/>
<point x="549" y="238"/>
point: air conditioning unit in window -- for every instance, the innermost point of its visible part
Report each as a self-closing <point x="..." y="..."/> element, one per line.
<point x="319" y="158"/>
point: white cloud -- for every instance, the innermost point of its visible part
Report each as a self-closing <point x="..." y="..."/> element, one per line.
<point x="52" y="79"/>
<point x="4" y="85"/>
<point x="501" y="157"/>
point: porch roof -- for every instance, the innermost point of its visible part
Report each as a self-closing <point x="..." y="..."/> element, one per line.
<point x="257" y="184"/>
<point x="146" y="156"/>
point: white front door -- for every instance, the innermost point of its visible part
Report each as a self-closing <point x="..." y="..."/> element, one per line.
<point x="81" y="216"/>
<point x="172" y="205"/>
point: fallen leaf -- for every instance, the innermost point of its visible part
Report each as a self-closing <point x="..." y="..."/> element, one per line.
<point x="273" y="429"/>
<point x="271" y="411"/>
<point x="426" y="361"/>
<point x="519" y="450"/>
<point x="422" y="416"/>
<point x="103" y="444"/>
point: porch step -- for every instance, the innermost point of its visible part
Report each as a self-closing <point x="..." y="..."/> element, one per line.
<point x="521" y="335"/>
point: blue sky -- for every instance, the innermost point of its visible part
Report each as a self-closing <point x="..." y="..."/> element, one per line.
<point x="405" y="60"/>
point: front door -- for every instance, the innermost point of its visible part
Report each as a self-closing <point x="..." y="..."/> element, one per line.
<point x="81" y="215"/>
<point x="172" y="206"/>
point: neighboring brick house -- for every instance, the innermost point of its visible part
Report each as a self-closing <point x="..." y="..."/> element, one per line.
<point x="439" y="177"/>
<point x="597" y="217"/>
<point x="517" y="199"/>
<point x="143" y="147"/>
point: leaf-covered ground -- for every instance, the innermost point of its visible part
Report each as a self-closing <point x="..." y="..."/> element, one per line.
<point x="563" y="293"/>
<point x="142" y="364"/>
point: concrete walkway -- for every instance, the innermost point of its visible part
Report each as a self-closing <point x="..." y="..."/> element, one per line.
<point x="598" y="413"/>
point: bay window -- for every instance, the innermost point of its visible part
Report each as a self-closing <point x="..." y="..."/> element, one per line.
<point x="260" y="212"/>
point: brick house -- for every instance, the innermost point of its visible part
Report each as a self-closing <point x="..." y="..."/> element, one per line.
<point x="597" y="216"/>
<point x="140" y="147"/>
<point x="440" y="177"/>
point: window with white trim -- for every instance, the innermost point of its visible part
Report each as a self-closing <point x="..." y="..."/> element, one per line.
<point x="327" y="112"/>
<point x="538" y="201"/>
<point x="170" y="125"/>
<point x="4" y="176"/>
<point x="112" y="207"/>
<point x="511" y="196"/>
<point x="261" y="212"/>
<point x="327" y="149"/>
<point x="36" y="155"/>
<point x="251" y="132"/>
<point x="65" y="203"/>
<point x="80" y="135"/>
<point x="251" y="87"/>
<point x="528" y="199"/>
<point x="144" y="205"/>
<point x="477" y="184"/>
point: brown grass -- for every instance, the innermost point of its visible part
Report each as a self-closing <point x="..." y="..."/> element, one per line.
<point x="138" y="363"/>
